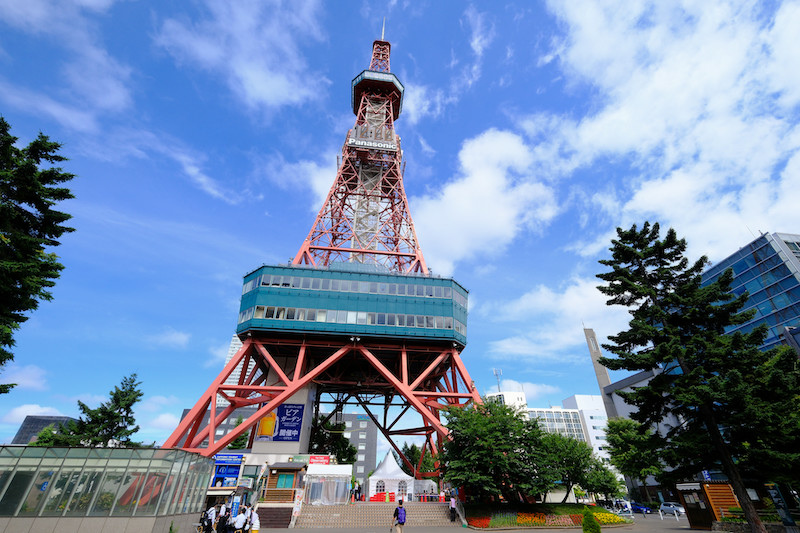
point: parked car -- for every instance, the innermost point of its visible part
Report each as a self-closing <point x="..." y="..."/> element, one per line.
<point x="638" y="508"/>
<point x="672" y="508"/>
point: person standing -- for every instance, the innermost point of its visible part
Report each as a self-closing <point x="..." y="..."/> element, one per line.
<point x="208" y="519"/>
<point x="222" y="521"/>
<point x="452" y="506"/>
<point x="255" y="521"/>
<point x="399" y="518"/>
<point x="239" y="521"/>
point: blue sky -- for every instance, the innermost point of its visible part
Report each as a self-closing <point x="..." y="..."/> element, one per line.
<point x="204" y="136"/>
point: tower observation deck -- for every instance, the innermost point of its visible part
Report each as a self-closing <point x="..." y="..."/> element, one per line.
<point x="356" y="318"/>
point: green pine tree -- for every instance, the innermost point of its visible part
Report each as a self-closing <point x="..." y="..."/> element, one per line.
<point x="328" y="437"/>
<point x="110" y="425"/>
<point x="30" y="187"/>
<point x="727" y="394"/>
<point x="240" y="442"/>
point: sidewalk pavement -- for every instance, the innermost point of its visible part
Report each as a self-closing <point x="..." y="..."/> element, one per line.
<point x="649" y="524"/>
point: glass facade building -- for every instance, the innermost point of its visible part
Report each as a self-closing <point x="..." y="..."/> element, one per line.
<point x="101" y="482"/>
<point x="352" y="298"/>
<point x="768" y="269"/>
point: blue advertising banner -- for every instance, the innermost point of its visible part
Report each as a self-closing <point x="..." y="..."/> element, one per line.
<point x="283" y="424"/>
<point x="226" y="470"/>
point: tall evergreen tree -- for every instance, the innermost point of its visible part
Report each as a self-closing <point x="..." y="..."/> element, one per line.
<point x="707" y="378"/>
<point x="110" y="425"/>
<point x="328" y="438"/>
<point x="240" y="442"/>
<point x="633" y="450"/>
<point x="413" y="453"/>
<point x="30" y="187"/>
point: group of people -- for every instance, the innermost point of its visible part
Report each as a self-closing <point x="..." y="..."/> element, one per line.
<point x="218" y="518"/>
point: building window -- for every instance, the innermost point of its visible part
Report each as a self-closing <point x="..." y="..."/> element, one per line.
<point x="362" y="447"/>
<point x="347" y="434"/>
<point x="348" y="424"/>
<point x="380" y="486"/>
<point x="362" y="435"/>
<point x="362" y="424"/>
<point x="362" y="457"/>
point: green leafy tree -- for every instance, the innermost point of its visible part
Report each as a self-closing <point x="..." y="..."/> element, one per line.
<point x="110" y="425"/>
<point x="726" y="396"/>
<point x="633" y="449"/>
<point x="328" y="437"/>
<point x="30" y="187"/>
<point x="493" y="450"/>
<point x="600" y="479"/>
<point x="240" y="442"/>
<point x="570" y="458"/>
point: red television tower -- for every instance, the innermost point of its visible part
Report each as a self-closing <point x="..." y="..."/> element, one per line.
<point x="356" y="316"/>
<point x="365" y="217"/>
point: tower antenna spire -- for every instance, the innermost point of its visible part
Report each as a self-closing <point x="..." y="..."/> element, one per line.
<point x="383" y="29"/>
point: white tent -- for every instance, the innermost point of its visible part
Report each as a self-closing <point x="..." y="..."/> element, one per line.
<point x="328" y="484"/>
<point x="389" y="477"/>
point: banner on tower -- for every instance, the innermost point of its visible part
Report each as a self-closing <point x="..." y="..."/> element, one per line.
<point x="371" y="145"/>
<point x="283" y="424"/>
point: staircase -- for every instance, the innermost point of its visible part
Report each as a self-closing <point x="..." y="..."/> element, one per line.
<point x="274" y="517"/>
<point x="370" y="514"/>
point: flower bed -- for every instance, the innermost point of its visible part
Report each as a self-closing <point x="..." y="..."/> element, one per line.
<point x="514" y="519"/>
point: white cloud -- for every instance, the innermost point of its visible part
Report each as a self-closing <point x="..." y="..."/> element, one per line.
<point x="254" y="45"/>
<point x="95" y="81"/>
<point x="29" y="377"/>
<point x="154" y="403"/>
<point x="483" y="209"/>
<point x="37" y="103"/>
<point x="219" y="354"/>
<point x="481" y="32"/>
<point x="553" y="321"/>
<point x="170" y="338"/>
<point x="697" y="101"/>
<point x="18" y="414"/>
<point x="164" y="421"/>
<point x="420" y="101"/>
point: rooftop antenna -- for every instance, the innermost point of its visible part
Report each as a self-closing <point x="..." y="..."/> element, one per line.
<point x="383" y="29"/>
<point x="497" y="373"/>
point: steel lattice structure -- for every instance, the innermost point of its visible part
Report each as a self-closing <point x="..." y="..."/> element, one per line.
<point x="365" y="217"/>
<point x="389" y="372"/>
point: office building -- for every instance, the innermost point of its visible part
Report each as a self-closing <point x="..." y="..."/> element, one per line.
<point x="513" y="399"/>
<point x="363" y="434"/>
<point x="768" y="269"/>
<point x="33" y="424"/>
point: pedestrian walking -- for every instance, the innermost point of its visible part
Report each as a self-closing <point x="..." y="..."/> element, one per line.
<point x="399" y="518"/>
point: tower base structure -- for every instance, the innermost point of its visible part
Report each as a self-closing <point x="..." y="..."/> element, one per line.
<point x="385" y="377"/>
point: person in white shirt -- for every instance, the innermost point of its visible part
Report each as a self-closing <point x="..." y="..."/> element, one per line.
<point x="240" y="520"/>
<point x="211" y="515"/>
<point x="255" y="522"/>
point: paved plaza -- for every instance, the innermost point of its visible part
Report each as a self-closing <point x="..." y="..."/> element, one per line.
<point x="651" y="524"/>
